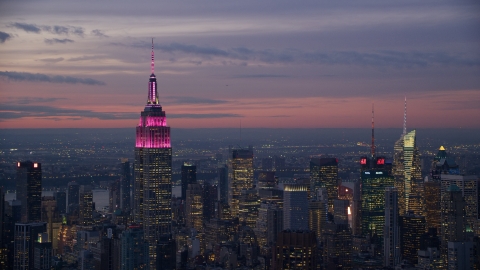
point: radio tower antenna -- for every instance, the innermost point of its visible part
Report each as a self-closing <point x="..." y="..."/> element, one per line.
<point x="405" y="118"/>
<point x="152" y="65"/>
<point x="372" y="150"/>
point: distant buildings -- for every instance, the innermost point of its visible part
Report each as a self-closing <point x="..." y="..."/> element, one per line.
<point x="295" y="250"/>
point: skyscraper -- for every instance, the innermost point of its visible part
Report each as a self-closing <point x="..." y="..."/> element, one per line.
<point x="86" y="205"/>
<point x="324" y="173"/>
<point x="72" y="196"/>
<point x="295" y="207"/>
<point x="391" y="245"/>
<point x="194" y="207"/>
<point x="374" y="182"/>
<point x="153" y="170"/>
<point x="412" y="227"/>
<point x="125" y="185"/>
<point x="29" y="190"/>
<point x="189" y="176"/>
<point x="413" y="174"/>
<point x="241" y="176"/>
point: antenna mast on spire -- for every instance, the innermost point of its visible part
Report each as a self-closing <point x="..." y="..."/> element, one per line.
<point x="152" y="66"/>
<point x="405" y="118"/>
<point x="372" y="150"/>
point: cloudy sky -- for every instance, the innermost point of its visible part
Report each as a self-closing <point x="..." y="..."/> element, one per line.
<point x="250" y="63"/>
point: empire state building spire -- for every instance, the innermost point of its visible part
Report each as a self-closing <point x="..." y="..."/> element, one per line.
<point x="152" y="84"/>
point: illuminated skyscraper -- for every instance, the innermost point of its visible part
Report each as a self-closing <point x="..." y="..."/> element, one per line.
<point x="241" y="176"/>
<point x="189" y="176"/>
<point x="194" y="207"/>
<point x="413" y="174"/>
<point x="374" y="182"/>
<point x="29" y="190"/>
<point x="86" y="205"/>
<point x="324" y="173"/>
<point x="153" y="170"/>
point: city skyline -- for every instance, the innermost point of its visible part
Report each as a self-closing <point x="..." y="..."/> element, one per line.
<point x="249" y="64"/>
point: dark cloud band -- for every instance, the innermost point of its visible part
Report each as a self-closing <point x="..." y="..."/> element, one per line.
<point x="38" y="77"/>
<point x="4" y="37"/>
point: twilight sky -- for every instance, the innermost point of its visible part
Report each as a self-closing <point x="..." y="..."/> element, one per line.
<point x="250" y="63"/>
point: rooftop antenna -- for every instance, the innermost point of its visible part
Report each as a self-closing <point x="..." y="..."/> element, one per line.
<point x="372" y="150"/>
<point x="152" y="65"/>
<point x="405" y="118"/>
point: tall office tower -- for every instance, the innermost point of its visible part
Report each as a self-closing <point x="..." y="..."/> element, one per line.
<point x="295" y="207"/>
<point x="153" y="170"/>
<point x="324" y="173"/>
<point x="61" y="199"/>
<point x="26" y="234"/>
<point x="469" y="186"/>
<point x="248" y="205"/>
<point x="267" y="164"/>
<point x="413" y="175"/>
<point x="391" y="231"/>
<point x="374" y="182"/>
<point x="241" y="176"/>
<point x="350" y="190"/>
<point x="189" y="176"/>
<point x="222" y="172"/>
<point x="29" y="190"/>
<point x="72" y="196"/>
<point x="412" y="227"/>
<point x="433" y="197"/>
<point x="209" y="198"/>
<point x="457" y="245"/>
<point x="86" y="205"/>
<point x="295" y="249"/>
<point x="194" y="207"/>
<point x="337" y="246"/>
<point x="453" y="216"/>
<point x="134" y="250"/>
<point x="114" y="196"/>
<point x="125" y="185"/>
<point x="269" y="223"/>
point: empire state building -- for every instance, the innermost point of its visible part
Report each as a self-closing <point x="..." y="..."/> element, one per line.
<point x="153" y="171"/>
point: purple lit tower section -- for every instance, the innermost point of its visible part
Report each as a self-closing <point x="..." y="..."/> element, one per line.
<point x="153" y="171"/>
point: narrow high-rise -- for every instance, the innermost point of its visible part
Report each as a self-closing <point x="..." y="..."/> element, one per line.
<point x="29" y="190"/>
<point x="153" y="171"/>
<point x="324" y="173"/>
<point x="241" y="177"/>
